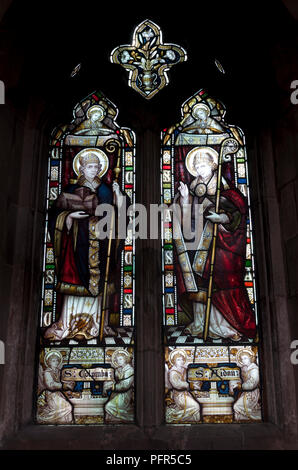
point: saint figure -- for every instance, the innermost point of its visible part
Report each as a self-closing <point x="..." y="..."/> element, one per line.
<point x="231" y="315"/>
<point x="80" y="256"/>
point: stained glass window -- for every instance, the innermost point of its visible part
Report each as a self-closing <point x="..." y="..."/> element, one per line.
<point x="209" y="289"/>
<point x="86" y="357"/>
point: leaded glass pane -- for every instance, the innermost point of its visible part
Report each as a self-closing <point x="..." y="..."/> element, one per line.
<point x="209" y="289"/>
<point x="148" y="59"/>
<point x="86" y="360"/>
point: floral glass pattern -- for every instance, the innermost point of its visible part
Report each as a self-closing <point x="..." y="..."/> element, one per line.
<point x="148" y="59"/>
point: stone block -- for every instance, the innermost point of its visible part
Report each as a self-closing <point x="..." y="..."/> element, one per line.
<point x="291" y="251"/>
<point x="288" y="211"/>
<point x="285" y="143"/>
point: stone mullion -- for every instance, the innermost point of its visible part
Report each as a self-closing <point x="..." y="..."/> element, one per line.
<point x="148" y="289"/>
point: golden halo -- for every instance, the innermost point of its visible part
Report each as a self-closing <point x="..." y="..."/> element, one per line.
<point x="50" y="354"/>
<point x="200" y="152"/>
<point x="102" y="158"/>
<point x="116" y="353"/>
<point x="200" y="106"/>
<point x="244" y="351"/>
<point x="176" y="352"/>
<point x="96" y="109"/>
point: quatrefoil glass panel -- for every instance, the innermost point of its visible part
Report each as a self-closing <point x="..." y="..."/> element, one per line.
<point x="148" y="59"/>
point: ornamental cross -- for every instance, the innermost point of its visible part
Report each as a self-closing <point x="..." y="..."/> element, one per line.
<point x="148" y="59"/>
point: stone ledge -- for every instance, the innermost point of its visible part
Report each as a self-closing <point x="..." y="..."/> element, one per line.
<point x="264" y="436"/>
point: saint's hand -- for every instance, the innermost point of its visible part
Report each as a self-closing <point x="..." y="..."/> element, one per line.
<point x="75" y="215"/>
<point x="119" y="198"/>
<point x="217" y="218"/>
<point x="116" y="188"/>
<point x="183" y="189"/>
<point x="78" y="215"/>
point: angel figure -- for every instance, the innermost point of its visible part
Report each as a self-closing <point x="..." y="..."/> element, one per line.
<point x="53" y="406"/>
<point x="94" y="124"/>
<point x="120" y="407"/>
<point x="183" y="407"/>
<point x="200" y="122"/>
<point x="247" y="407"/>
